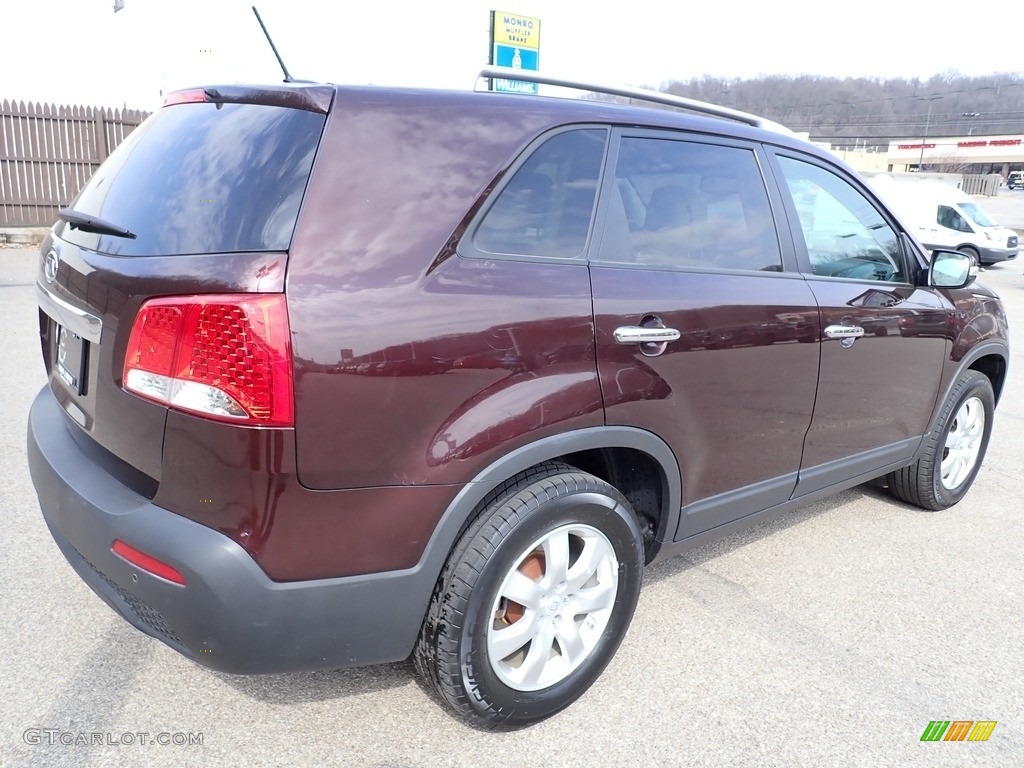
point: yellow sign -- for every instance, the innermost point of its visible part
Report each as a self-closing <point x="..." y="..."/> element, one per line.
<point x="521" y="31"/>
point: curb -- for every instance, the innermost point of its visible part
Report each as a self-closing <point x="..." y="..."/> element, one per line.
<point x="22" y="237"/>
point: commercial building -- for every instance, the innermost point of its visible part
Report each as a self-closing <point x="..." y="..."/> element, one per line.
<point x="958" y="154"/>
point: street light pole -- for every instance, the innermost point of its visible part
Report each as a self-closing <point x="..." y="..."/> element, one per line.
<point x="970" y="131"/>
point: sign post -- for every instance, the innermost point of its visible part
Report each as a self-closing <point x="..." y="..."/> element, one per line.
<point x="515" y="43"/>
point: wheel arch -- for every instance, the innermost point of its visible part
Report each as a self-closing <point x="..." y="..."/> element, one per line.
<point x="994" y="367"/>
<point x="587" y="449"/>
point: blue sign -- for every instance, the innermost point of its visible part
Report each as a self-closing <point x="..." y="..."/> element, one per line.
<point x="515" y="58"/>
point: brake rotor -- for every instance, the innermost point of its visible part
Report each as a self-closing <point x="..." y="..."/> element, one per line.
<point x="532" y="568"/>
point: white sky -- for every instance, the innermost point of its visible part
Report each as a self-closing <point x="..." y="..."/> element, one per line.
<point x="80" y="52"/>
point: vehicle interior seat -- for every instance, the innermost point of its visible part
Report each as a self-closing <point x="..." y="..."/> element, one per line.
<point x="673" y="226"/>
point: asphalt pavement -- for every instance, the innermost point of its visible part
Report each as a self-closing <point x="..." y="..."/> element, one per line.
<point x="829" y="637"/>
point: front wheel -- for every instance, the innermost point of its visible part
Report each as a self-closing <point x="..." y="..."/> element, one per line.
<point x="535" y="599"/>
<point x="954" y="449"/>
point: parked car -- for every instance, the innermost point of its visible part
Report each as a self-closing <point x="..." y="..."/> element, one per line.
<point x="340" y="375"/>
<point x="1015" y="180"/>
<point x="944" y="217"/>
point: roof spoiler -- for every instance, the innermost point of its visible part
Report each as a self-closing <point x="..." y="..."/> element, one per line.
<point x="312" y="98"/>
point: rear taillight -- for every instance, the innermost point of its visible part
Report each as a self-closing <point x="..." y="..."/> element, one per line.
<point x="227" y="357"/>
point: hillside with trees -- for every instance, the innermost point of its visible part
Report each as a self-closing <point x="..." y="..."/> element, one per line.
<point x="870" y="112"/>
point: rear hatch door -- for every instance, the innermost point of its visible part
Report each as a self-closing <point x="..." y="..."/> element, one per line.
<point x="201" y="198"/>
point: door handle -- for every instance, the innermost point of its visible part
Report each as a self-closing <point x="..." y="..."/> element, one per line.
<point x="635" y="334"/>
<point x="844" y="331"/>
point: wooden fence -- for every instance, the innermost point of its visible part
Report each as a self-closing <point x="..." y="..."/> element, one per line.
<point x="47" y="153"/>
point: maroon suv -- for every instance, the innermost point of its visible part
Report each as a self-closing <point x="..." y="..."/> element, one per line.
<point x="342" y="375"/>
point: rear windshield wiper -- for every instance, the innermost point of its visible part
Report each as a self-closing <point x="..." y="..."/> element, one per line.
<point x="92" y="224"/>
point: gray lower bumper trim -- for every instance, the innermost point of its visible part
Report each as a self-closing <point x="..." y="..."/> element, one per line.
<point x="230" y="616"/>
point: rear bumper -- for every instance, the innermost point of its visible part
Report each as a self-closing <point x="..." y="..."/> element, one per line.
<point x="229" y="616"/>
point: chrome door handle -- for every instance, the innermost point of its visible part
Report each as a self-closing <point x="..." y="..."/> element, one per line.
<point x="844" y="331"/>
<point x="636" y="334"/>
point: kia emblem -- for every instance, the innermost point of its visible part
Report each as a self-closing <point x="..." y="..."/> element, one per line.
<point x="50" y="265"/>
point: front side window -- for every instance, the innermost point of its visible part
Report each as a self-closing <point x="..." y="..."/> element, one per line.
<point x="685" y="204"/>
<point x="845" y="235"/>
<point x="951" y="219"/>
<point x="546" y="208"/>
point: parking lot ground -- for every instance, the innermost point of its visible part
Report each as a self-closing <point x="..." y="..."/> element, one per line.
<point x="829" y="637"/>
<point x="1007" y="207"/>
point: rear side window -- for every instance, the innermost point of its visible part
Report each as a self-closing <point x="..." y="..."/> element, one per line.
<point x="686" y="204"/>
<point x="203" y="178"/>
<point x="546" y="208"/>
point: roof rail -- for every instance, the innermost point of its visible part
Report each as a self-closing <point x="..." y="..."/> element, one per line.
<point x="657" y="97"/>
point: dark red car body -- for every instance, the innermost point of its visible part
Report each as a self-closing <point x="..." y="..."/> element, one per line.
<point x="426" y="374"/>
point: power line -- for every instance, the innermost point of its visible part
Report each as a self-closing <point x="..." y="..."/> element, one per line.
<point x="973" y="128"/>
<point x="753" y="97"/>
<point x="878" y="141"/>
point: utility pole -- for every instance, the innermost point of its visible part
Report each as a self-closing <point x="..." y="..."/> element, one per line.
<point x="927" y="125"/>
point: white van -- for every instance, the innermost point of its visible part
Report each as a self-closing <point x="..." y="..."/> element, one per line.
<point x="941" y="216"/>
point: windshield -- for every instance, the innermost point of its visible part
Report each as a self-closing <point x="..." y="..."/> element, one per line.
<point x="977" y="215"/>
<point x="201" y="178"/>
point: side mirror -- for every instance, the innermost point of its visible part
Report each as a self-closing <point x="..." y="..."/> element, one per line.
<point x="951" y="269"/>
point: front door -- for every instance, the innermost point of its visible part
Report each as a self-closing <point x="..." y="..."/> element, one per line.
<point x="883" y="337"/>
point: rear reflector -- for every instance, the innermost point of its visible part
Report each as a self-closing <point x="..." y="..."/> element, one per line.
<point x="227" y="357"/>
<point x="147" y="563"/>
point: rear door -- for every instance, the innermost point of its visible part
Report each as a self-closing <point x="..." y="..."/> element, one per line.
<point x="689" y="248"/>
<point x="883" y="337"/>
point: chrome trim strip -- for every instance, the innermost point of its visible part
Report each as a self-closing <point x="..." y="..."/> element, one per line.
<point x="78" y="321"/>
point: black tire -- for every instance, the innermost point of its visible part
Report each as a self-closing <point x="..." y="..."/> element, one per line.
<point x="922" y="483"/>
<point x="518" y="533"/>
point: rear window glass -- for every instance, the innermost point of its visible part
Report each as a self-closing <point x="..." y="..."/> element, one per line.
<point x="203" y="178"/>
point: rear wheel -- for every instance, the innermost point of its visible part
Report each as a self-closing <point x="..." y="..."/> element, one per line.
<point x="955" y="448"/>
<point x="535" y="599"/>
